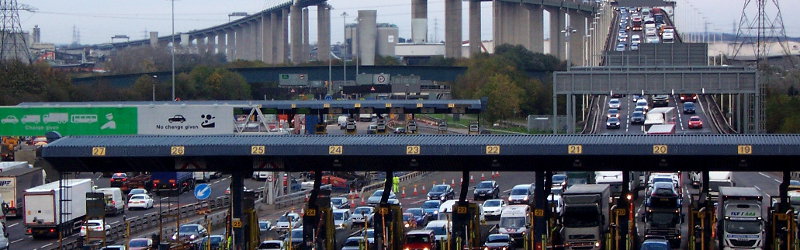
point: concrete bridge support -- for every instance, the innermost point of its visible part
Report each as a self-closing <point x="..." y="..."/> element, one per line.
<point x="240" y="41"/>
<point x="536" y="27"/>
<point x="211" y="45"/>
<point x="153" y="39"/>
<point x="221" y="43"/>
<point x="297" y="32"/>
<point x="200" y="41"/>
<point x="475" y="42"/>
<point x="557" y="24"/>
<point x="576" y="44"/>
<point x="230" y="34"/>
<point x="304" y="57"/>
<point x="266" y="38"/>
<point x="255" y="41"/>
<point x="323" y="32"/>
<point x="419" y="21"/>
<point x="452" y="30"/>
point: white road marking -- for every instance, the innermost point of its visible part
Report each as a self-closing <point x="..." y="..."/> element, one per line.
<point x="18" y="240"/>
<point x="14" y="224"/>
<point x="47" y="245"/>
<point x="769" y="177"/>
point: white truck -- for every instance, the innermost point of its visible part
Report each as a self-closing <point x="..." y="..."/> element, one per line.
<point x="49" y="208"/>
<point x="515" y="221"/>
<point x="717" y="179"/>
<point x="657" y="116"/>
<point x="13" y="184"/>
<point x="740" y="224"/>
<point x="612" y="178"/>
<point x="584" y="215"/>
<point x="9" y="165"/>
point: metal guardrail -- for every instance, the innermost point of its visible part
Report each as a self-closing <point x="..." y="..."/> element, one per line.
<point x="148" y="221"/>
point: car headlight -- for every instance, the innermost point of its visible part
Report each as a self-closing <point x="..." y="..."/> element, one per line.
<point x="425" y="248"/>
<point x="191" y="236"/>
<point x="174" y="237"/>
<point x="436" y="212"/>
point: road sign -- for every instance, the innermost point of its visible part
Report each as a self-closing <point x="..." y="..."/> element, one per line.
<point x="202" y="191"/>
<point x="36" y="121"/>
<point x="269" y="178"/>
<point x="328" y="98"/>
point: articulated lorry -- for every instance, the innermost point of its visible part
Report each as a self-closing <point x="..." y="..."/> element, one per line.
<point x="13" y="184"/>
<point x="585" y="215"/>
<point x="740" y="224"/>
<point x="50" y="209"/>
<point x="172" y="182"/>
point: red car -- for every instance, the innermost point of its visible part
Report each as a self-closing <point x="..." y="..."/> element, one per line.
<point x="695" y="122"/>
<point x="688" y="97"/>
<point x="420" y="239"/>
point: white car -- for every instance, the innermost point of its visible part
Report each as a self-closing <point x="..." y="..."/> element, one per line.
<point x="493" y="207"/>
<point x="94" y="226"/>
<point x="614" y="103"/>
<point x="271" y="245"/>
<point x="652" y="39"/>
<point x="289" y="218"/>
<point x="142" y="201"/>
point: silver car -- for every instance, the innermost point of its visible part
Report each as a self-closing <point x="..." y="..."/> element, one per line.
<point x="287" y="222"/>
<point x="362" y="215"/>
<point x="342" y="219"/>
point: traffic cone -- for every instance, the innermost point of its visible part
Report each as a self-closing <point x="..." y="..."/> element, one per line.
<point x="453" y="183"/>
<point x="355" y="194"/>
<point x="415" y="190"/>
<point x="444" y="181"/>
<point x="403" y="193"/>
<point x="471" y="180"/>
<point x="483" y="177"/>
<point x="423" y="189"/>
<point x="353" y="203"/>
<point x="350" y="195"/>
<point x="362" y="201"/>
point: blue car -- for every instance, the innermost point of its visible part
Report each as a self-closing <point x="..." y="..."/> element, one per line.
<point x="431" y="207"/>
<point x="655" y="244"/>
<point x="419" y="216"/>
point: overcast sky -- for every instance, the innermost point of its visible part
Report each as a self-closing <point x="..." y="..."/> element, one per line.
<point x="99" y="20"/>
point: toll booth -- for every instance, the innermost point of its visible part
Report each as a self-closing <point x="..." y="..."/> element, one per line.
<point x="466" y="226"/>
<point x="321" y="129"/>
<point x="782" y="229"/>
<point x="388" y="225"/>
<point x="95" y="210"/>
<point x="318" y="228"/>
<point x="250" y="221"/>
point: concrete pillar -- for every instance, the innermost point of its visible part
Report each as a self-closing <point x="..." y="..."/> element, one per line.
<point x="266" y="38"/>
<point x="211" y="43"/>
<point x="578" y="22"/>
<point x="275" y="36"/>
<point x="241" y="41"/>
<point x="221" y="43"/>
<point x="522" y="29"/>
<point x="153" y="39"/>
<point x="497" y="22"/>
<point x="508" y="23"/>
<point x="231" y="48"/>
<point x="535" y="17"/>
<point x="474" y="27"/>
<point x="419" y="21"/>
<point x="297" y="33"/>
<point x="452" y="28"/>
<point x="323" y="32"/>
<point x="255" y="40"/>
<point x="201" y="44"/>
<point x="367" y="36"/>
<point x="556" y="37"/>
<point x="304" y="57"/>
<point x="285" y="33"/>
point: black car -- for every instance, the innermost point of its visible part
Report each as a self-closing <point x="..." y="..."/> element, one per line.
<point x="499" y="241"/>
<point x="661" y="101"/>
<point x="441" y="192"/>
<point x="612" y="122"/>
<point x="190" y="232"/>
<point x="486" y="190"/>
<point x="177" y="118"/>
<point x="637" y="117"/>
<point x="688" y="108"/>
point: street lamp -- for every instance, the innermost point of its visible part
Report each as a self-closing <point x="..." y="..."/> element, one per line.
<point x="173" y="50"/>
<point x="155" y="79"/>
<point x="567" y="33"/>
<point x="344" y="55"/>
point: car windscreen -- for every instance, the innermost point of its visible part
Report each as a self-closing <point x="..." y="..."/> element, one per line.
<point x="492" y="203"/>
<point x="580" y="217"/>
<point x="364" y="210"/>
<point x="415" y="211"/>
<point x="269" y="245"/>
<point x="188" y="229"/>
<point x="138" y="243"/>
<point x="559" y="178"/>
<point x="352" y="243"/>
<point x="337" y="201"/>
<point x="498" y="238"/>
<point x="519" y="191"/>
<point x="512" y="222"/>
<point x="431" y="204"/>
<point x="417" y="238"/>
<point x="484" y="185"/>
<point x="437" y="230"/>
<point x="438" y="189"/>
<point x="338" y="216"/>
<point x="742" y="227"/>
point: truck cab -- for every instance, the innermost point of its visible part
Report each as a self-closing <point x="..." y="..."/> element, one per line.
<point x="741" y="224"/>
<point x="584" y="215"/>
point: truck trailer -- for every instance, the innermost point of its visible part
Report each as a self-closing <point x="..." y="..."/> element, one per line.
<point x="172" y="183"/>
<point x="13" y="184"/>
<point x="584" y="215"/>
<point x="51" y="209"/>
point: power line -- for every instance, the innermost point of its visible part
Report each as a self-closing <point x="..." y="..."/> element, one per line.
<point x="13" y="43"/>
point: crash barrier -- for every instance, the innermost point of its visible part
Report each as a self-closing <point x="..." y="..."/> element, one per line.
<point x="140" y="224"/>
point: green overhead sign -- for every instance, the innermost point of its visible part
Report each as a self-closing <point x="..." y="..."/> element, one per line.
<point x="36" y="121"/>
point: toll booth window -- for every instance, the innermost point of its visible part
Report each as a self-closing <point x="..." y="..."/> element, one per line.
<point x="418" y="239"/>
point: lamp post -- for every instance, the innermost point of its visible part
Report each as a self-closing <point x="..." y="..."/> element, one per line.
<point x="567" y="32"/>
<point x="173" y="50"/>
<point x="155" y="79"/>
<point x="236" y="14"/>
<point x="344" y="55"/>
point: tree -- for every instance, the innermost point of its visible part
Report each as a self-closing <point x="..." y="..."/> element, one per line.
<point x="504" y="98"/>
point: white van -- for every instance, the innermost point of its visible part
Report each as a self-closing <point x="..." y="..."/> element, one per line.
<point x="342" y="121"/>
<point x="718" y="179"/>
<point x="446" y="211"/>
<point x="201" y="176"/>
<point x="440" y="228"/>
<point x="115" y="203"/>
<point x="515" y="221"/>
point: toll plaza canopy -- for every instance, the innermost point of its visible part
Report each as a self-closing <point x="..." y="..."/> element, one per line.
<point x="308" y="107"/>
<point x="425" y="152"/>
